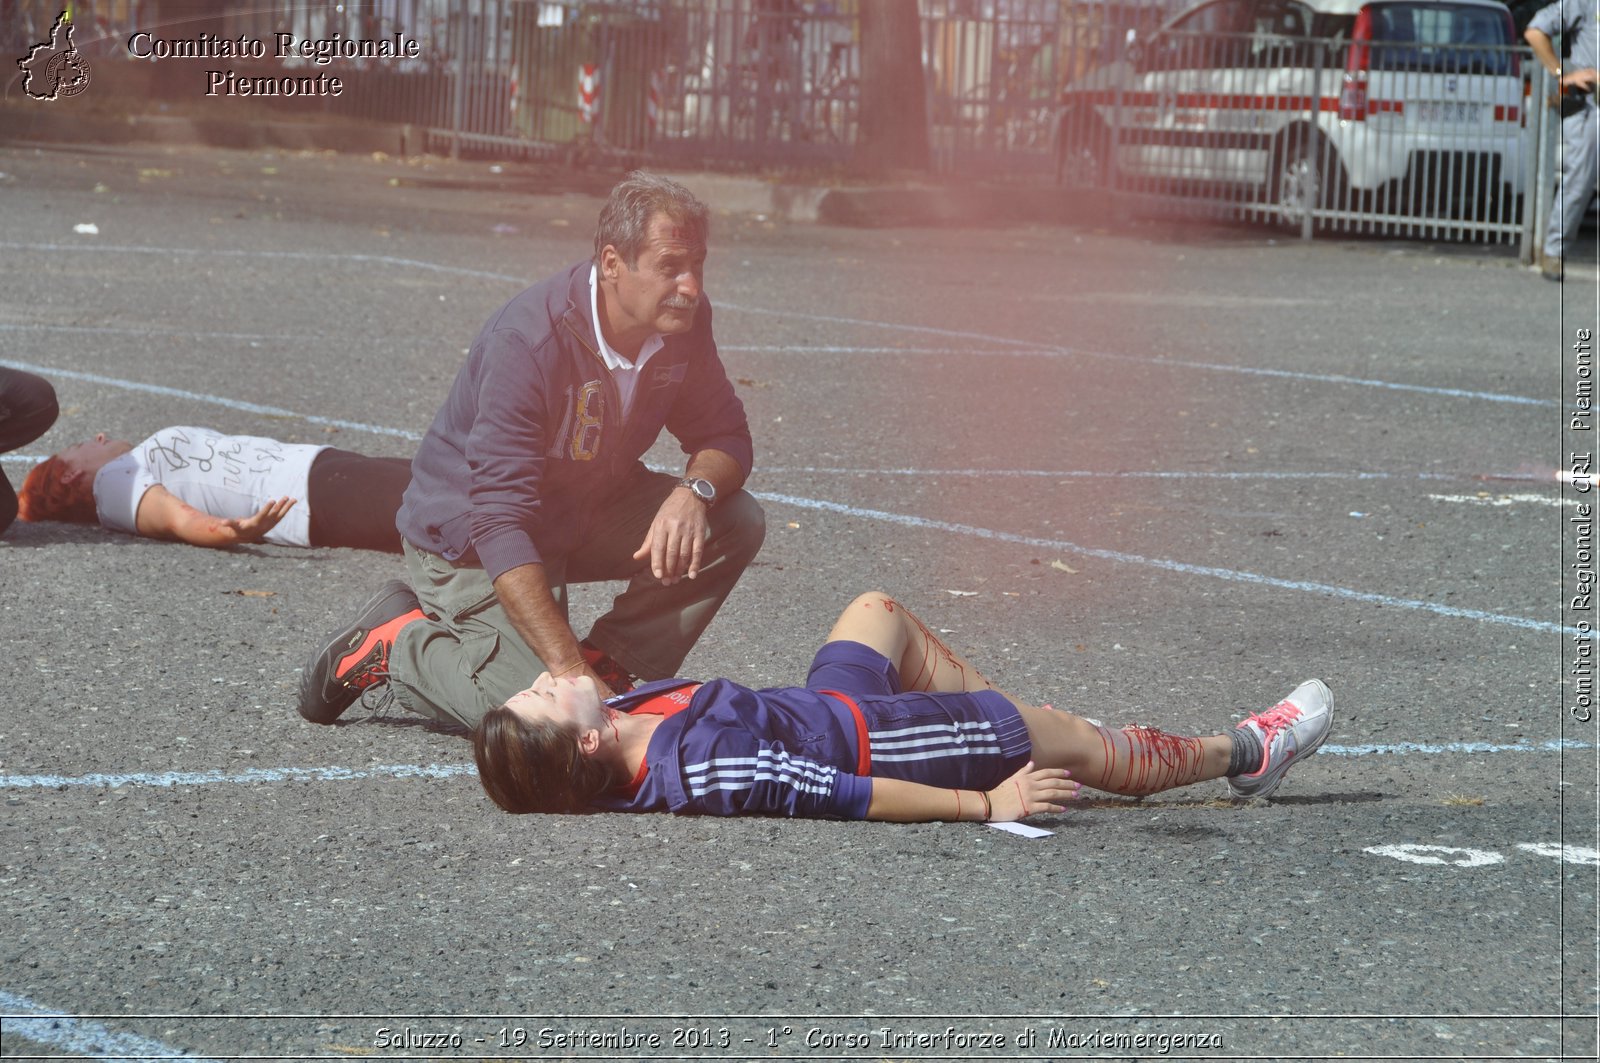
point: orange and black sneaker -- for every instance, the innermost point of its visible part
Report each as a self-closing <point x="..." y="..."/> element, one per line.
<point x="358" y="656"/>
<point x="618" y="678"/>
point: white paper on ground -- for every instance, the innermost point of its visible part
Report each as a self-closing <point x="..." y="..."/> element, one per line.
<point x="1022" y="829"/>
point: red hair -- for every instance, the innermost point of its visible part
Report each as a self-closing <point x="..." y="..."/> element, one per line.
<point x="47" y="495"/>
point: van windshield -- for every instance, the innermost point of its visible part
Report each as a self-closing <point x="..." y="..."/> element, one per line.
<point x="1440" y="38"/>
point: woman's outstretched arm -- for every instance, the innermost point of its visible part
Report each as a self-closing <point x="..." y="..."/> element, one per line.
<point x="1031" y="790"/>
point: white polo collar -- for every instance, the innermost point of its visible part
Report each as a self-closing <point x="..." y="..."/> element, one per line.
<point x="613" y="360"/>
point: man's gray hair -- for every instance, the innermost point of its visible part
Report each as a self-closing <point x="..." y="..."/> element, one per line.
<point x="625" y="219"/>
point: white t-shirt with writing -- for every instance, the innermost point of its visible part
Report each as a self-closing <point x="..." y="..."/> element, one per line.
<point x="225" y="476"/>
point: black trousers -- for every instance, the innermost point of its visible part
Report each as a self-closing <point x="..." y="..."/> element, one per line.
<point x="354" y="498"/>
<point x="27" y="410"/>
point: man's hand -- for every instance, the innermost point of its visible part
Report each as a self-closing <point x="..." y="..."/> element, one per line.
<point x="600" y="685"/>
<point x="253" y="528"/>
<point x="1583" y="80"/>
<point x="676" y="538"/>
<point x="524" y="594"/>
<point x="1031" y="791"/>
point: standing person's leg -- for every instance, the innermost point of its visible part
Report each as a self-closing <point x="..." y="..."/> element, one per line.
<point x="27" y="410"/>
<point x="465" y="657"/>
<point x="1580" y="137"/>
<point x="353" y="499"/>
<point x="650" y="628"/>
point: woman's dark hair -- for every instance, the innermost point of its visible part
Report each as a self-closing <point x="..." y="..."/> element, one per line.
<point x="625" y="219"/>
<point x="535" y="767"/>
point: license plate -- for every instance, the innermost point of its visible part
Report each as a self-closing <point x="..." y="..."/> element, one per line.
<point x="1446" y="111"/>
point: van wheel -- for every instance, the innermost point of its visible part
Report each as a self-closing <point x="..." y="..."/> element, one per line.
<point x="1083" y="152"/>
<point x="1305" y="178"/>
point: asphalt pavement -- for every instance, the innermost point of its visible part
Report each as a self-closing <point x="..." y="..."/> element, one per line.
<point x="1148" y="473"/>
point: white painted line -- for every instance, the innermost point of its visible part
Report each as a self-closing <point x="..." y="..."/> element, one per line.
<point x="293" y="256"/>
<point x="1400" y="749"/>
<point x="254" y="337"/>
<point x="1022" y="348"/>
<point x="112" y="780"/>
<point x="1460" y="856"/>
<point x="214" y="400"/>
<point x="1112" y="474"/>
<point x="795" y="348"/>
<point x="1231" y="575"/>
<point x="1014" y="348"/>
<point x="1413" y="853"/>
<point x="1571" y="854"/>
<point x="107" y="780"/>
<point x="1507" y="500"/>
<point x="47" y="1026"/>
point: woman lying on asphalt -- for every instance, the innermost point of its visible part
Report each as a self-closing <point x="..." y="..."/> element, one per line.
<point x="199" y="486"/>
<point x="891" y="725"/>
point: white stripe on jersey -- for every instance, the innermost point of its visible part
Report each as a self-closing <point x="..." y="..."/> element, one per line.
<point x="742" y="773"/>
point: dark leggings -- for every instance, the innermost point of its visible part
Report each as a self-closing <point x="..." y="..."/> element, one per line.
<point x="27" y="410"/>
<point x="354" y="498"/>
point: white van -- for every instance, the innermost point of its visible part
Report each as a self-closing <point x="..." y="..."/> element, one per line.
<point x="1402" y="107"/>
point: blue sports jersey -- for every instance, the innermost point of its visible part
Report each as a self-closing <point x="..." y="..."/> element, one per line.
<point x="798" y="751"/>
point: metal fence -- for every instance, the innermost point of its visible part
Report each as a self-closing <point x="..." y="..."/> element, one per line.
<point x="759" y="82"/>
<point x="1402" y="133"/>
<point x="1437" y="141"/>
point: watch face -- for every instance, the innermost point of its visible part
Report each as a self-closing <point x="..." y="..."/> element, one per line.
<point x="705" y="489"/>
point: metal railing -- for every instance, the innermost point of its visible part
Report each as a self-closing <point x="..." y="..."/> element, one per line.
<point x="752" y="81"/>
<point x="761" y="82"/>
<point x="992" y="70"/>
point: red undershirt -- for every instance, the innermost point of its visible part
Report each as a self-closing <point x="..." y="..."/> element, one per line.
<point x="669" y="704"/>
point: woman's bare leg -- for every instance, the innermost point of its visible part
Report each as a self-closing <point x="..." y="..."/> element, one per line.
<point x="1130" y="760"/>
<point x="1135" y="761"/>
<point x="925" y="663"/>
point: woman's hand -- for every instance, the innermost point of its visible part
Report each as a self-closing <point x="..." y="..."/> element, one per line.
<point x="1031" y="791"/>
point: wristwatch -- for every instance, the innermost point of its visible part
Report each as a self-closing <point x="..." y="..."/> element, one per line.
<point x="704" y="490"/>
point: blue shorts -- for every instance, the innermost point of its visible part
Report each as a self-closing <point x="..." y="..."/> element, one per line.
<point x="852" y="668"/>
<point x="972" y="740"/>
